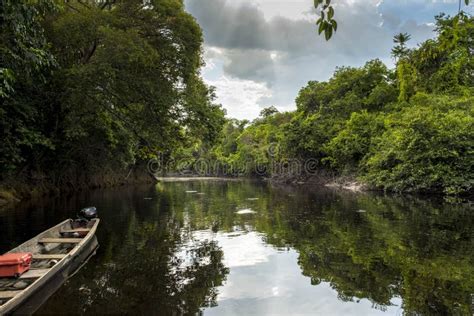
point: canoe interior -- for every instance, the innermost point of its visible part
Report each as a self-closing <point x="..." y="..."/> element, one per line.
<point x="49" y="249"/>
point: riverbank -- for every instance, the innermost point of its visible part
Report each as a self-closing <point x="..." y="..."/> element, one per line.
<point x="194" y="178"/>
<point x="354" y="184"/>
<point x="320" y="179"/>
<point x="15" y="191"/>
<point x="25" y="187"/>
<point x="323" y="178"/>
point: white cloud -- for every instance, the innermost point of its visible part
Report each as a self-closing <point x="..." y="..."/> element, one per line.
<point x="241" y="98"/>
<point x="261" y="52"/>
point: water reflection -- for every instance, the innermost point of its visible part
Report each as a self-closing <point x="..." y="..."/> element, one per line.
<point x="165" y="250"/>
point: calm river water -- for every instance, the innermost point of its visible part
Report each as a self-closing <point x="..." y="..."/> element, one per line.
<point x="241" y="248"/>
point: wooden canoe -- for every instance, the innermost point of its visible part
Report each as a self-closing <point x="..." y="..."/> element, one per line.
<point x="57" y="254"/>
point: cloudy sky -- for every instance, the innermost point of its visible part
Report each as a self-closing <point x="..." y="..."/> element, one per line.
<point x="261" y="52"/>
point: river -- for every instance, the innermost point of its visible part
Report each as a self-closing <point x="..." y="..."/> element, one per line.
<point x="245" y="247"/>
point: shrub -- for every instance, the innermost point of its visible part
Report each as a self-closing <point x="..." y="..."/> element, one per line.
<point x="428" y="146"/>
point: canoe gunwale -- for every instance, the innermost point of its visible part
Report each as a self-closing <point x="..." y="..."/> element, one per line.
<point x="61" y="264"/>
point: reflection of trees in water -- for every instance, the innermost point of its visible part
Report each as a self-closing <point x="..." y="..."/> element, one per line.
<point x="365" y="246"/>
<point x="411" y="248"/>
<point x="138" y="269"/>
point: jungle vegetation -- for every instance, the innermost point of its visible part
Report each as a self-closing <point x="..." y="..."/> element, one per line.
<point x="91" y="90"/>
<point x="405" y="129"/>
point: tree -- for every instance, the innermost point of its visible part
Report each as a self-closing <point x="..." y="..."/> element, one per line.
<point x="425" y="147"/>
<point x="130" y="75"/>
<point x="400" y="50"/>
<point x="25" y="64"/>
<point x="266" y="112"/>
<point x="24" y="50"/>
<point x="407" y="129"/>
<point x="125" y="84"/>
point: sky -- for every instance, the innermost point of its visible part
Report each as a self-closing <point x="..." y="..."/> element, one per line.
<point x="260" y="53"/>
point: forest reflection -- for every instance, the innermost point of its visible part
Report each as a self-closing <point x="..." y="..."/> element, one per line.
<point x="167" y="251"/>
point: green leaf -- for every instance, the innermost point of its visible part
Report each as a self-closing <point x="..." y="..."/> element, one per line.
<point x="328" y="32"/>
<point x="334" y="25"/>
<point x="466" y="2"/>
<point x="330" y="13"/>
<point x="322" y="26"/>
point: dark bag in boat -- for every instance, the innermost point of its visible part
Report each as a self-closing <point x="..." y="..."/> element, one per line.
<point x="14" y="264"/>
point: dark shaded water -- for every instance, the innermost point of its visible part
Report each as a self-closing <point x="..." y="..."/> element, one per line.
<point x="248" y="248"/>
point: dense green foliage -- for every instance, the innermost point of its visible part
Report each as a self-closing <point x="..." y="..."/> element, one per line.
<point x="95" y="87"/>
<point x="426" y="146"/>
<point x="256" y="146"/>
<point x="24" y="50"/>
<point x="407" y="129"/>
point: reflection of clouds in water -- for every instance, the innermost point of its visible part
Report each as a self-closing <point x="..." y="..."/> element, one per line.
<point x="264" y="280"/>
<point x="277" y="287"/>
<point x="240" y="249"/>
<point x="244" y="250"/>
